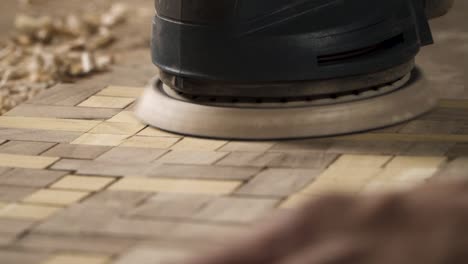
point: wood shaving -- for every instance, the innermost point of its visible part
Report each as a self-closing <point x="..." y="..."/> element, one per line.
<point x="47" y="50"/>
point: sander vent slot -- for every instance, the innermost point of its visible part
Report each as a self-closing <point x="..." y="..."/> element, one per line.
<point x="341" y="57"/>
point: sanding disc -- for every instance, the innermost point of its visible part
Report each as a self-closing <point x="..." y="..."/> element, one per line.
<point x="390" y="104"/>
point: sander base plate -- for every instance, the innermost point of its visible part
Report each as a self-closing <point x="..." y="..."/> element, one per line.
<point x="391" y="104"/>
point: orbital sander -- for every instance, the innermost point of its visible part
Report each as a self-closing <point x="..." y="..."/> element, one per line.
<point x="282" y="69"/>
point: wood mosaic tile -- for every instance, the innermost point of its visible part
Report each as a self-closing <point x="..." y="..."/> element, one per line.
<point x="82" y="183"/>
<point x="192" y="157"/>
<point x="7" y="239"/>
<point x="315" y="145"/>
<point x="297" y="200"/>
<point x="457" y="150"/>
<point x="460" y="104"/>
<point x="410" y="137"/>
<point x="236" y="209"/>
<point x="116" y="128"/>
<point x="404" y="172"/>
<point x="176" y="186"/>
<point x="375" y="147"/>
<point x="454" y="170"/>
<point x="30" y="177"/>
<point x="154" y="132"/>
<point x="153" y="254"/>
<point x="247" y="146"/>
<point x="14" y="193"/>
<point x="27" y="211"/>
<point x="100" y="139"/>
<point x="198" y="144"/>
<point x="215" y="234"/>
<point x="14" y="226"/>
<point x="279" y="182"/>
<point x="125" y="117"/>
<point x="74" y="151"/>
<point x="121" y="91"/>
<point x="66" y="112"/>
<point x="66" y="94"/>
<point x="72" y="125"/>
<point x="25" y="147"/>
<point x="430" y="126"/>
<point x="55" y="197"/>
<point x="131" y="155"/>
<point x="10" y="256"/>
<point x="251" y="159"/>
<point x="169" y="205"/>
<point x="104" y="168"/>
<point x="350" y="173"/>
<point x="77" y="259"/>
<point x="150" y="142"/>
<point x="183" y="171"/>
<point x="138" y="228"/>
<point x="107" y="102"/>
<point x="63" y="243"/>
<point x="428" y="149"/>
<point x="297" y="159"/>
<point x="25" y="161"/>
<point x="82" y="180"/>
<point x="38" y="135"/>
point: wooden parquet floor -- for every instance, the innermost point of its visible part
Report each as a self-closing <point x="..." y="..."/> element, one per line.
<point x="83" y="181"/>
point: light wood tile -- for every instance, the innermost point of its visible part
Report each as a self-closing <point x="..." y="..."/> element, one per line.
<point x="107" y="102"/>
<point x="27" y="211"/>
<point x="100" y="139"/>
<point x="77" y="259"/>
<point x="2" y="205"/>
<point x="55" y="197"/>
<point x="116" y="128"/>
<point x="150" y="142"/>
<point x="25" y="161"/>
<point x="297" y="200"/>
<point x="198" y="144"/>
<point x="122" y="91"/>
<point x="125" y="117"/>
<point x="67" y="112"/>
<point x="349" y="173"/>
<point x="83" y="183"/>
<point x="454" y="170"/>
<point x="154" y="132"/>
<point x="404" y="172"/>
<point x="176" y="186"/>
<point x="72" y="125"/>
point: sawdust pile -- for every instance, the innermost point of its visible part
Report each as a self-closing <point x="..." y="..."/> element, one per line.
<point x="46" y="50"/>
